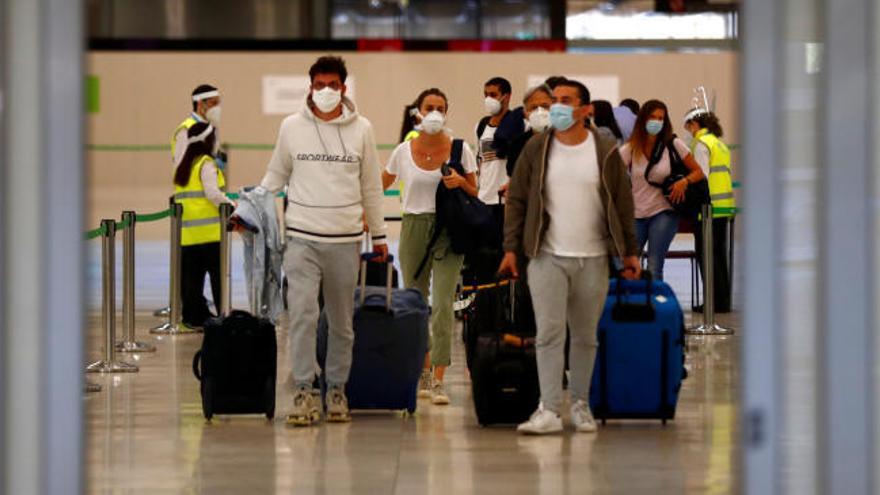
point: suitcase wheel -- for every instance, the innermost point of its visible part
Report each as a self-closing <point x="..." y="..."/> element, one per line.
<point x="270" y="415"/>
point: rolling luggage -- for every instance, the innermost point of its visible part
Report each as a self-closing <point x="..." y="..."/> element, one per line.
<point x="390" y="342"/>
<point x="640" y="360"/>
<point x="237" y="365"/>
<point x="500" y="349"/>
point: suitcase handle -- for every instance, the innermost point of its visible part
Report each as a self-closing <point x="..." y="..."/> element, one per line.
<point x="633" y="312"/>
<point x="197" y="359"/>
<point x="369" y="258"/>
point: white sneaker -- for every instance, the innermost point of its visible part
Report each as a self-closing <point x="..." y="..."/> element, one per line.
<point x="541" y="422"/>
<point x="425" y="382"/>
<point x="582" y="417"/>
<point x="438" y="394"/>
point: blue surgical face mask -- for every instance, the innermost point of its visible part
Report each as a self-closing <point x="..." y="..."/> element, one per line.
<point x="561" y="116"/>
<point x="654" y="127"/>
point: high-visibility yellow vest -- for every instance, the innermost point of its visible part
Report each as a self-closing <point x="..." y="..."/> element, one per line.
<point x="720" y="180"/>
<point x="186" y="124"/>
<point x="201" y="218"/>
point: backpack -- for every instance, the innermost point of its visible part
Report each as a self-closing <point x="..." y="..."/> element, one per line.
<point x="466" y="219"/>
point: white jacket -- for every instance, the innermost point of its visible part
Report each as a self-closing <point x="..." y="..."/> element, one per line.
<point x="333" y="173"/>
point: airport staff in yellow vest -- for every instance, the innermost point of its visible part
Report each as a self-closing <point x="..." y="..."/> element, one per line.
<point x="205" y="109"/>
<point x="714" y="158"/>
<point x="199" y="186"/>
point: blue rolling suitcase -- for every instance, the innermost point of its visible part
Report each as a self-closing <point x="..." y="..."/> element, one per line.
<point x="640" y="361"/>
<point x="390" y="342"/>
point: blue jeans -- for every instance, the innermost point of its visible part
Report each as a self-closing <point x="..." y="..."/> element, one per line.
<point x="658" y="231"/>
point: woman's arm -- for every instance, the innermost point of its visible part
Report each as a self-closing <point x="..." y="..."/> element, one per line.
<point x="208" y="174"/>
<point x="387" y="179"/>
<point x="468" y="183"/>
<point x="695" y="175"/>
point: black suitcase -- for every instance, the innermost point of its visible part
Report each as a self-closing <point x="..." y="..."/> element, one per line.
<point x="500" y="350"/>
<point x="237" y="365"/>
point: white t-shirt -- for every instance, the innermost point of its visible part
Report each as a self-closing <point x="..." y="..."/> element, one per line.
<point x="420" y="185"/>
<point x="493" y="170"/>
<point x="571" y="197"/>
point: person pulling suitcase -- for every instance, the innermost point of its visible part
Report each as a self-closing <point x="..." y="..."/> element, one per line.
<point x="574" y="177"/>
<point x="326" y="154"/>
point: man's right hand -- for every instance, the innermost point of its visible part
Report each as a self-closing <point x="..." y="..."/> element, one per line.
<point x="508" y="265"/>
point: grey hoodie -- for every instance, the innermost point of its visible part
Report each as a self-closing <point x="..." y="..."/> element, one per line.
<point x="333" y="173"/>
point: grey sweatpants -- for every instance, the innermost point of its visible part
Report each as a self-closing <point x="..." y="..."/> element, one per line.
<point x="571" y="290"/>
<point x="308" y="264"/>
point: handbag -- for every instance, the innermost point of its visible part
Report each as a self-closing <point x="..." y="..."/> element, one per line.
<point x="697" y="193"/>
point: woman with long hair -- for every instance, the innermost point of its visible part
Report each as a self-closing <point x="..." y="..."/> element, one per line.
<point x="198" y="186"/>
<point x="656" y="219"/>
<point x="418" y="162"/>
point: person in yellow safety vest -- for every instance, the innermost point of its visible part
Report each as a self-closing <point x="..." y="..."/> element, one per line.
<point x="205" y="109"/>
<point x="198" y="187"/>
<point x="714" y="158"/>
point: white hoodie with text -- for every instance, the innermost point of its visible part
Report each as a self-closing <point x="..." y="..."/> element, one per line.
<point x="333" y="175"/>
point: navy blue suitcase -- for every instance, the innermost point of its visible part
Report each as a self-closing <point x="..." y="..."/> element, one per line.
<point x="640" y="360"/>
<point x="390" y="342"/>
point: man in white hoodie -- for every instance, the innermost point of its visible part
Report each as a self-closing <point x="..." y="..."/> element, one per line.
<point x="326" y="154"/>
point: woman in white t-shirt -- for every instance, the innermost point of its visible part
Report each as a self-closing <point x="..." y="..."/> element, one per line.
<point x="656" y="220"/>
<point x="417" y="163"/>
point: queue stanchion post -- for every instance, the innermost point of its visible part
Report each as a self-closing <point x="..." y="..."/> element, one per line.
<point x="109" y="364"/>
<point x="225" y="305"/>
<point x="166" y="311"/>
<point x="173" y="326"/>
<point x="709" y="326"/>
<point x="129" y="341"/>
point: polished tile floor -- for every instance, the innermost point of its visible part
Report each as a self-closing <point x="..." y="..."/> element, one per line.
<point x="145" y="434"/>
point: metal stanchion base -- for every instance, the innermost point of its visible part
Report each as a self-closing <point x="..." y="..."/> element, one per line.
<point x="135" y="347"/>
<point x="162" y="312"/>
<point x="92" y="387"/>
<point x="169" y="329"/>
<point x="111" y="367"/>
<point x="709" y="330"/>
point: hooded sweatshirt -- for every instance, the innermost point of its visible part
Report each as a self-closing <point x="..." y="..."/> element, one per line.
<point x="333" y="175"/>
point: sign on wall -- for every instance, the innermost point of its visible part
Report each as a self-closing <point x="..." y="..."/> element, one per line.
<point x="284" y="95"/>
<point x="601" y="87"/>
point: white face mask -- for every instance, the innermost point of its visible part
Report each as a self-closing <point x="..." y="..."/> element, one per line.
<point x="433" y="122"/>
<point x="539" y="119"/>
<point x="492" y="105"/>
<point x="213" y="115"/>
<point x="326" y="99"/>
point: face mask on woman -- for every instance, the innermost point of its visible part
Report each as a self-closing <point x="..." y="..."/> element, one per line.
<point x="539" y="119"/>
<point x="654" y="126"/>
<point x="433" y="122"/>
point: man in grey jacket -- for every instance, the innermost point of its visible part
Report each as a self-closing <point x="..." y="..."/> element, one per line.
<point x="569" y="207"/>
<point x="326" y="155"/>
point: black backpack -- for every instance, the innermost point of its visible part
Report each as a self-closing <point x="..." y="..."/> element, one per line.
<point x="466" y="219"/>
